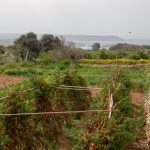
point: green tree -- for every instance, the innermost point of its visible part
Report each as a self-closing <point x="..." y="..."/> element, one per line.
<point x="140" y="55"/>
<point x="121" y="54"/>
<point x="58" y="42"/>
<point x="27" y="46"/>
<point x="2" y="49"/>
<point x="96" y="46"/>
<point x="103" y="55"/>
<point x="47" y="42"/>
<point x="50" y="42"/>
<point x="135" y="57"/>
<point x="143" y="55"/>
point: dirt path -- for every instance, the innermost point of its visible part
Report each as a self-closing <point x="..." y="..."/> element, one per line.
<point x="6" y="81"/>
<point x="147" y="111"/>
<point x="138" y="98"/>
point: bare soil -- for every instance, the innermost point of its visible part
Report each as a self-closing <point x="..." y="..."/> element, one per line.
<point x="64" y="143"/>
<point x="138" y="98"/>
<point x="6" y="81"/>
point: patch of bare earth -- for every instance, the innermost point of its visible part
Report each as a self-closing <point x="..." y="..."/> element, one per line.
<point x="6" y="81"/>
<point x="94" y="92"/>
<point x="64" y="143"/>
<point x="138" y="98"/>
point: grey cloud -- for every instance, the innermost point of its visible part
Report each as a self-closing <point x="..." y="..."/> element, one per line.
<point x="98" y="17"/>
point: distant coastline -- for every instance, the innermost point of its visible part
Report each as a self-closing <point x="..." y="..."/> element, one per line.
<point x="81" y="41"/>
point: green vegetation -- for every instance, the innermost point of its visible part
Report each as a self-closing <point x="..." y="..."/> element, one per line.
<point x="45" y="96"/>
<point x="29" y="69"/>
<point x="119" y="54"/>
<point x="96" y="46"/>
<point x="122" y="129"/>
<point x="29" y="48"/>
<point x="55" y="72"/>
<point x="2" y="49"/>
<point x="40" y="132"/>
<point x="126" y="51"/>
<point x="114" y="61"/>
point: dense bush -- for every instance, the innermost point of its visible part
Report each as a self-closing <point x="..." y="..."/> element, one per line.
<point x="41" y="132"/>
<point x="2" y="49"/>
<point x="102" y="54"/>
<point x="140" y="55"/>
<point x="17" y="132"/>
<point x="50" y="42"/>
<point x="118" y="132"/>
<point x="45" y="59"/>
<point x="17" y="72"/>
<point x="28" y="46"/>
<point x="146" y="46"/>
<point x="96" y="46"/>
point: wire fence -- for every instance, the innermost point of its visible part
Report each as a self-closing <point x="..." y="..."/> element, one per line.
<point x="78" y="87"/>
<point x="96" y="75"/>
<point x="55" y="113"/>
<point x="63" y="87"/>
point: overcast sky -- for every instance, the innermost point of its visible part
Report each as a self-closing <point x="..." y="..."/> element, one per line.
<point x="89" y="17"/>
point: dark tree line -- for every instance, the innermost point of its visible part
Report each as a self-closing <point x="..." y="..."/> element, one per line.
<point x="50" y="42"/>
<point x="28" y="46"/>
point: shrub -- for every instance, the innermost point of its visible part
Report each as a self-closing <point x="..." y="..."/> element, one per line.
<point x="135" y="57"/>
<point x="45" y="59"/>
<point x="96" y="46"/>
<point x="17" y="72"/>
<point x="103" y="55"/>
<point x="2" y="49"/>
<point x="41" y="132"/>
<point x="18" y="132"/>
<point x="123" y="128"/>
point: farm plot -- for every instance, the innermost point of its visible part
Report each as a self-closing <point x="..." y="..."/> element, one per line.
<point x="63" y="93"/>
<point x="6" y="81"/>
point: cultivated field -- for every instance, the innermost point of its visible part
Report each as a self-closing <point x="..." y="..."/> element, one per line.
<point x="82" y="95"/>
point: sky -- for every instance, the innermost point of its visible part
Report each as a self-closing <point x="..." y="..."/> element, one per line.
<point x="81" y="17"/>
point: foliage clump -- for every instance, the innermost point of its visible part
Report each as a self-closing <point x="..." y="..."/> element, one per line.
<point x="96" y="46"/>
<point x="45" y="95"/>
<point x="122" y="129"/>
<point x="17" y="132"/>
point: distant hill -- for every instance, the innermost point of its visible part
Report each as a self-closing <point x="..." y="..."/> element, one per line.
<point x="126" y="47"/>
<point x="8" y="38"/>
<point x="90" y="38"/>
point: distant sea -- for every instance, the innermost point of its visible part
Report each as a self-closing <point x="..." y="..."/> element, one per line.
<point x="86" y="41"/>
<point x="87" y="45"/>
<point x="82" y="41"/>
